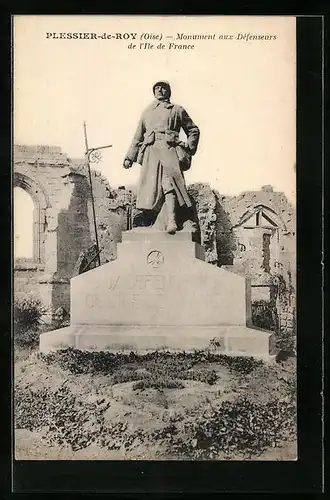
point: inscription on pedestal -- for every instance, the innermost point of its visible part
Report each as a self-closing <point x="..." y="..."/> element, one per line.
<point x="197" y="295"/>
<point x="160" y="282"/>
<point x="143" y="282"/>
<point x="146" y="290"/>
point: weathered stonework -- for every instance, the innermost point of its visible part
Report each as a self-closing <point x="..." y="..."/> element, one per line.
<point x="206" y="205"/>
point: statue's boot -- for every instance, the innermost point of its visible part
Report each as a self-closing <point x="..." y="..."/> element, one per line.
<point x="171" y="226"/>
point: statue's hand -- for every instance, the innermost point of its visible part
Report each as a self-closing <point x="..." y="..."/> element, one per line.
<point x="127" y="163"/>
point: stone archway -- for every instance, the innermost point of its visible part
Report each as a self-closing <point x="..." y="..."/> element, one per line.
<point x="41" y="203"/>
<point x="63" y="224"/>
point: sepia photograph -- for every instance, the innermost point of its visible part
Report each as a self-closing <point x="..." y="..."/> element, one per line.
<point x="154" y="238"/>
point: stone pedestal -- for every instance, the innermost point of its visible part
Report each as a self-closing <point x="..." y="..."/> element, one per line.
<point x="159" y="294"/>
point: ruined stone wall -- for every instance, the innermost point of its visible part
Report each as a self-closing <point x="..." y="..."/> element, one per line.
<point x="208" y="214"/>
<point x="262" y="250"/>
<point x="26" y="279"/>
<point x="110" y="211"/>
<point x="228" y="242"/>
<point x="63" y="221"/>
<point x="271" y="266"/>
<point x="288" y="317"/>
<point x="282" y="236"/>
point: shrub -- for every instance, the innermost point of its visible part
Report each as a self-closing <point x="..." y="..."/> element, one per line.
<point x="61" y="317"/>
<point x="78" y="362"/>
<point x="27" y="311"/>
<point x="26" y="339"/>
<point x="179" y="365"/>
<point x="286" y="341"/>
<point x="264" y="315"/>
<point x="27" y="314"/>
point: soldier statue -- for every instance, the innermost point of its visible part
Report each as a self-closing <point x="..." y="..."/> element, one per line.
<point x="163" y="156"/>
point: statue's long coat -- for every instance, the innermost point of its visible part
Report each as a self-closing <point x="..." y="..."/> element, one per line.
<point x="156" y="156"/>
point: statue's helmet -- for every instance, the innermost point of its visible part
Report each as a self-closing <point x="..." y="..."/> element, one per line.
<point x="162" y="82"/>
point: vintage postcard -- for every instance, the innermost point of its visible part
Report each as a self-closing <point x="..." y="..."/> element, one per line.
<point x="154" y="186"/>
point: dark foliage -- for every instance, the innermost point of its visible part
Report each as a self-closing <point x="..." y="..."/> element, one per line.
<point x="286" y="341"/>
<point x="237" y="426"/>
<point x="27" y="311"/>
<point x="66" y="418"/>
<point x="264" y="315"/>
<point x="175" y="365"/>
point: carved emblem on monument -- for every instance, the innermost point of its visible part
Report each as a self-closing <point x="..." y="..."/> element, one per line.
<point x="155" y="258"/>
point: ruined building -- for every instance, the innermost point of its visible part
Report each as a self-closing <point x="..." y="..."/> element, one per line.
<point x="63" y="227"/>
<point x="252" y="234"/>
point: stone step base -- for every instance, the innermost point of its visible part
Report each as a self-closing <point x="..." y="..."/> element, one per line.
<point x="230" y="340"/>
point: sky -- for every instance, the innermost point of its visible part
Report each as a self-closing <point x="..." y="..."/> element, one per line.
<point x="241" y="93"/>
<point x="23" y="220"/>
